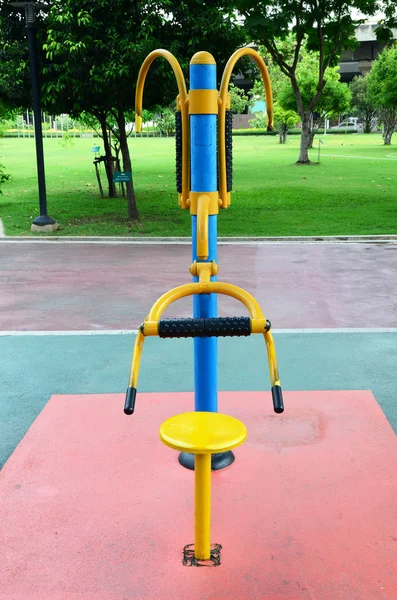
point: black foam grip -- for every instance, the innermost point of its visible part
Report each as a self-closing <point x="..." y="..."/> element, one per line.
<point x="178" y="145"/>
<point x="229" y="149"/>
<point x="278" y="403"/>
<point x="129" y="404"/>
<point x="228" y="326"/>
<point x="212" y="327"/>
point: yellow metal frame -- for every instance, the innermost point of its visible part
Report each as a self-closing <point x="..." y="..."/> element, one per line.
<point x="213" y="208"/>
<point x="224" y="102"/>
<point x="204" y="286"/>
<point x="202" y="506"/>
<point x="203" y="102"/>
<point x="202" y="434"/>
<point x="182" y="105"/>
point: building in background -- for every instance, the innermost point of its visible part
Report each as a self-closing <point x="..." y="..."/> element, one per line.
<point x="359" y="61"/>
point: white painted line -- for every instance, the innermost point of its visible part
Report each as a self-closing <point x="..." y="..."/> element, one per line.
<point x="104" y="241"/>
<point x="2" y="232"/>
<point x="90" y="332"/>
<point x="339" y="330"/>
<point x="328" y="154"/>
<point x="310" y="242"/>
<point x="72" y="332"/>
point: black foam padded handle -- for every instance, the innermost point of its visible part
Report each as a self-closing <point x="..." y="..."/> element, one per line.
<point x="129" y="405"/>
<point x="178" y="147"/>
<point x="229" y="149"/>
<point x="278" y="403"/>
<point x="211" y="327"/>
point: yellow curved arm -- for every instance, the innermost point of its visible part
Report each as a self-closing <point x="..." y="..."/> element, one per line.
<point x="182" y="105"/>
<point x="150" y="325"/>
<point x="214" y="287"/>
<point x="224" y="104"/>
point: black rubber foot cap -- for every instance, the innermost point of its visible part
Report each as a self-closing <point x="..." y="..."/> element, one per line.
<point x="278" y="403"/>
<point x="218" y="461"/>
<point x="129" y="404"/>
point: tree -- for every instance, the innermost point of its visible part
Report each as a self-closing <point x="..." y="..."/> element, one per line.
<point x="284" y="120"/>
<point x="238" y="100"/>
<point x="361" y="105"/>
<point x="15" y="84"/>
<point x="382" y="90"/>
<point x="334" y="100"/>
<point x="326" y="27"/>
<point x="95" y="50"/>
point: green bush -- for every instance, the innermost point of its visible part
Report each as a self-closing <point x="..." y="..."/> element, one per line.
<point x="166" y="123"/>
<point x="3" y="176"/>
<point x="253" y="131"/>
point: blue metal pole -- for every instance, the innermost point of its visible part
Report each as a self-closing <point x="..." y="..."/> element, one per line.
<point x="203" y="178"/>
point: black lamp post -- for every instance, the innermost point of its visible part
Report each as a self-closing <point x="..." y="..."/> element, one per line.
<point x="44" y="222"/>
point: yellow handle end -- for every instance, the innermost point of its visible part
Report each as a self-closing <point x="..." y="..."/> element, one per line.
<point x="138" y="123"/>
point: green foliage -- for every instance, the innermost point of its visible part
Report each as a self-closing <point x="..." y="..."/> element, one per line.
<point x="166" y="122"/>
<point x="147" y="115"/>
<point x="285" y="117"/>
<point x="382" y="79"/>
<point x="335" y="98"/>
<point x="284" y="120"/>
<point x="361" y="104"/>
<point x="3" y="176"/>
<point x="15" y="88"/>
<point x="238" y="99"/>
<point x="67" y="140"/>
<point x="259" y="121"/>
<point x="382" y="90"/>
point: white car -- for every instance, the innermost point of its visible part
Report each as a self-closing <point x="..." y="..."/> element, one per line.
<point x="344" y="126"/>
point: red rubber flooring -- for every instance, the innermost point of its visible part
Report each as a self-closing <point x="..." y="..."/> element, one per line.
<point x="94" y="507"/>
<point x="71" y="286"/>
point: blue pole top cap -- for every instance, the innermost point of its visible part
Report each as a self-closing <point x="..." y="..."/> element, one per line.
<point x="202" y="58"/>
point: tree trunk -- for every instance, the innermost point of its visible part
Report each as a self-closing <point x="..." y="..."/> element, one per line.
<point x="367" y="123"/>
<point x="389" y="119"/>
<point x="282" y="134"/>
<point x="369" y="119"/>
<point x="125" y="153"/>
<point x="108" y="160"/>
<point x="305" y="141"/>
<point x="387" y="133"/>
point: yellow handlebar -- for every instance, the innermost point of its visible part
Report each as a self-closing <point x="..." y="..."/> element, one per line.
<point x="150" y="325"/>
<point x="225" y="104"/>
<point x="182" y="105"/>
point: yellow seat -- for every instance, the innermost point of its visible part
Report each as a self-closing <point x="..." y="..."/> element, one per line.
<point x="202" y="434"/>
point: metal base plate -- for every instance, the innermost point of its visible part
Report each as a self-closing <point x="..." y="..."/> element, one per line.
<point x="218" y="461"/>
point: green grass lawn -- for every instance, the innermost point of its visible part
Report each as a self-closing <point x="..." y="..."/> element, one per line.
<point x="353" y="190"/>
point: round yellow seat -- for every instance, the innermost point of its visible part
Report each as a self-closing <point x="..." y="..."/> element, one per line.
<point x="202" y="432"/>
